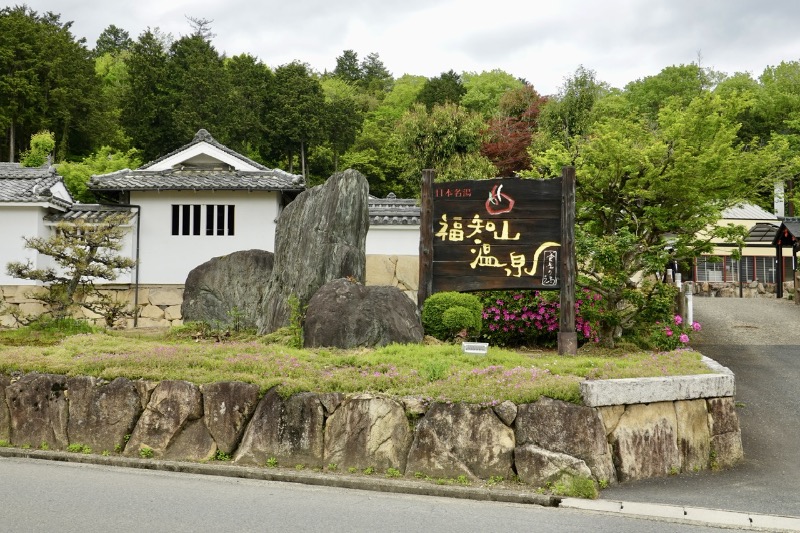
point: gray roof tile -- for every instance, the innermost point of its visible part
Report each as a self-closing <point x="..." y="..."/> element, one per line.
<point x="89" y="213"/>
<point x="194" y="178"/>
<point x="393" y="211"/>
<point x="20" y="184"/>
<point x="171" y="180"/>
<point x="203" y="136"/>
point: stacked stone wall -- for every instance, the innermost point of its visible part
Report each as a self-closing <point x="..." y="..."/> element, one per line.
<point x="540" y="442"/>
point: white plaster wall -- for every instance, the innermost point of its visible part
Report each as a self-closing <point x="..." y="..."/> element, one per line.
<point x="16" y="223"/>
<point x="393" y="240"/>
<point x="167" y="259"/>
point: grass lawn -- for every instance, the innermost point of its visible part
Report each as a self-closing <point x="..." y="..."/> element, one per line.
<point x="431" y="372"/>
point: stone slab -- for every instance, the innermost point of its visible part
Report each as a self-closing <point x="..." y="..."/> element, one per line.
<point x="605" y="392"/>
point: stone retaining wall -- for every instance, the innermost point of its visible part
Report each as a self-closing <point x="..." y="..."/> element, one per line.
<point x="752" y="289"/>
<point x="159" y="305"/>
<point x="540" y="442"/>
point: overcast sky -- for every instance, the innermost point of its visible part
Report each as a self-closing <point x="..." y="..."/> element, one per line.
<point x="543" y="42"/>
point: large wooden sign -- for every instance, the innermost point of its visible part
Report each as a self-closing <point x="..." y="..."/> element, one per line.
<point x="496" y="234"/>
<point x="504" y="233"/>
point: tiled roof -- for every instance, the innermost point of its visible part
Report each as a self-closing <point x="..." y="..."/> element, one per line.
<point x="89" y="213"/>
<point x="172" y="180"/>
<point x="198" y="178"/>
<point x="762" y="232"/>
<point x="20" y="184"/>
<point x="393" y="211"/>
<point x="203" y="136"/>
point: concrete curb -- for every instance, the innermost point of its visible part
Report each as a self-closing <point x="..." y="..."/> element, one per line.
<point x="347" y="481"/>
<point x="599" y="393"/>
<point x="688" y="515"/>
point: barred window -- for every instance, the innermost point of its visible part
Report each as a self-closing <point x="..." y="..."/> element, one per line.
<point x="192" y="219"/>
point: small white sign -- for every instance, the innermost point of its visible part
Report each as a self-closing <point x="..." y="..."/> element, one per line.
<point x="478" y="348"/>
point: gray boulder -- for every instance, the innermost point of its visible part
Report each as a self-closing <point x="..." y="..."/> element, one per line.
<point x="461" y="439"/>
<point x="228" y="289"/>
<point x="645" y="441"/>
<point x="172" y="405"/>
<point x="101" y="413"/>
<point x="368" y="431"/>
<point x="320" y="236"/>
<point x="290" y="430"/>
<point x="345" y="314"/>
<point x="537" y="466"/>
<point x="192" y="443"/>
<point x="38" y="410"/>
<point x="566" y="428"/>
<point x="227" y="408"/>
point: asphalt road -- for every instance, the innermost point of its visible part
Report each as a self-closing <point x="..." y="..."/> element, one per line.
<point x="759" y="340"/>
<point x="40" y="496"/>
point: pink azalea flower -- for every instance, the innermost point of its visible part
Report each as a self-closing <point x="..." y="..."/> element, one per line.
<point x="696" y="326"/>
<point x="684" y="338"/>
<point x="678" y="320"/>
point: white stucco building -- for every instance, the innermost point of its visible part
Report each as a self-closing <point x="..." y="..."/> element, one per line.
<point x="27" y="197"/>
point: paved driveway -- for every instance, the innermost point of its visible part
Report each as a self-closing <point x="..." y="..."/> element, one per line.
<point x="759" y="339"/>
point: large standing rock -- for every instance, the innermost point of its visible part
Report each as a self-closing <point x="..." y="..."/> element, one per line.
<point x="100" y="413"/>
<point x="290" y="430"/>
<point x="461" y="439"/>
<point x="228" y="288"/>
<point x="320" y="236"/>
<point x="228" y="407"/>
<point x="346" y="314"/>
<point x="38" y="408"/>
<point x="172" y="405"/>
<point x="566" y="428"/>
<point x="368" y="431"/>
<point x="645" y="441"/>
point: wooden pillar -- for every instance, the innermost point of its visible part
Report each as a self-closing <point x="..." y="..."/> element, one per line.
<point x="425" y="287"/>
<point x="779" y="269"/>
<point x="567" y="336"/>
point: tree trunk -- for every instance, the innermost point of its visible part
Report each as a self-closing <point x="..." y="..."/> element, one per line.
<point x="11" y="142"/>
<point x="303" y="158"/>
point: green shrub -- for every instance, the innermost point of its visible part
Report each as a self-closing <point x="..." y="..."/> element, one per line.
<point x="433" y="313"/>
<point x="460" y="318"/>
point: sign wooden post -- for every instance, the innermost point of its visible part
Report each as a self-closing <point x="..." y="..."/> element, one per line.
<point x="426" y="238"/>
<point x="502" y="233"/>
<point x="567" y="336"/>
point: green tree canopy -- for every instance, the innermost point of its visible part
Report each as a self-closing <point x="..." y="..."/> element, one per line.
<point x="448" y="140"/>
<point x="76" y="174"/>
<point x="48" y="82"/>
<point x="42" y="145"/>
<point x="643" y="188"/>
<point x="113" y="40"/>
<point x="448" y="87"/>
<point x="485" y="90"/>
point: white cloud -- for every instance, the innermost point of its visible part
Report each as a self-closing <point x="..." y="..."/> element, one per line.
<point x="543" y="42"/>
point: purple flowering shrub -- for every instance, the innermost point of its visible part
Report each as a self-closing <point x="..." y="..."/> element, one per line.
<point x="672" y="335"/>
<point x="531" y="318"/>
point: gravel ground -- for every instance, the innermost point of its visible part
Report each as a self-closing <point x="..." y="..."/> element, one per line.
<point x="746" y="321"/>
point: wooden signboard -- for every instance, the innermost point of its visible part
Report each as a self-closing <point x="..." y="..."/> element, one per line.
<point x="504" y="233"/>
<point x="496" y="234"/>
